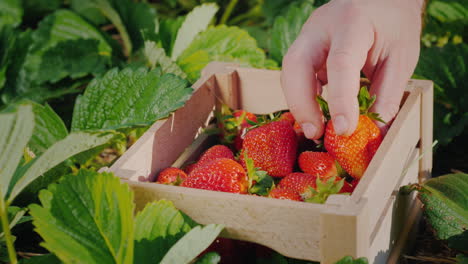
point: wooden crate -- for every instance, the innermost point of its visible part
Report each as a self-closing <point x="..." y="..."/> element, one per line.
<point x="373" y="222"/>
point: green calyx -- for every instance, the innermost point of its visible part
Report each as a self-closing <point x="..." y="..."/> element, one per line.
<point x="365" y="101"/>
<point x="325" y="189"/>
<point x="260" y="182"/>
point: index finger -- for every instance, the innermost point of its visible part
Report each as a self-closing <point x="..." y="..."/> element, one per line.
<point x="298" y="78"/>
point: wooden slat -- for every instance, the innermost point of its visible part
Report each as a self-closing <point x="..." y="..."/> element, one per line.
<point x="384" y="172"/>
<point x="394" y="218"/>
<point x="427" y="109"/>
<point x="289" y="227"/>
<point x="162" y="144"/>
<point x="344" y="230"/>
<point x="260" y="91"/>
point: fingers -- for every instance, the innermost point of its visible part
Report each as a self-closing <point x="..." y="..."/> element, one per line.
<point x="388" y="85"/>
<point x="299" y="82"/>
<point x="347" y="56"/>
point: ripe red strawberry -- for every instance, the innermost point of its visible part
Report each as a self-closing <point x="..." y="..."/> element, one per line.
<point x="320" y="164"/>
<point x="272" y="147"/>
<point x="354" y="152"/>
<point x="189" y="168"/>
<point x="225" y="175"/>
<point x="213" y="153"/>
<point x="299" y="182"/>
<point x="171" y="176"/>
<point x="285" y="194"/>
<point x="287" y="116"/>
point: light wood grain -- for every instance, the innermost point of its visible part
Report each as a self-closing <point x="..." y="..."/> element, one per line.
<point x="289" y="227"/>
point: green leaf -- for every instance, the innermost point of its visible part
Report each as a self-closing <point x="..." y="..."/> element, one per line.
<point x="195" y="22"/>
<point x="350" y="260"/>
<point x="168" y="32"/>
<point x="263" y="182"/>
<point x="286" y="29"/>
<point x="447" y="67"/>
<point x="192" y="244"/>
<point x="60" y="151"/>
<point x="140" y="20"/>
<point x="35" y="10"/>
<point x="462" y="259"/>
<point x="7" y="44"/>
<point x="44" y="259"/>
<point x="209" y="258"/>
<point x="324" y="189"/>
<point x="61" y="26"/>
<point x="74" y="59"/>
<point x="157" y="228"/>
<point x="459" y="242"/>
<point x="88" y="10"/>
<point x="157" y="57"/>
<point x="48" y="128"/>
<point x="15" y="217"/>
<point x="221" y="43"/>
<point x="449" y="10"/>
<point x="446" y="204"/>
<point x="15" y="132"/>
<point x="87" y="218"/>
<point x="128" y="98"/>
<point x="11" y="12"/>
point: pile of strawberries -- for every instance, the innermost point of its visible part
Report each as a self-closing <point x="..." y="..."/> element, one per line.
<point x="271" y="157"/>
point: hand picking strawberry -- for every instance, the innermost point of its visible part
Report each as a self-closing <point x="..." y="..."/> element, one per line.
<point x="354" y="152"/>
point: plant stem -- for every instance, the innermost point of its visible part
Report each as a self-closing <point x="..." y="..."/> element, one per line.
<point x="228" y="11"/>
<point x="109" y="12"/>
<point x="6" y="230"/>
<point x="253" y="13"/>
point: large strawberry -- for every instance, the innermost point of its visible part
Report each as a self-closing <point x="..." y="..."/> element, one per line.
<point x="225" y="175"/>
<point x="171" y="176"/>
<point x="272" y="147"/>
<point x="354" y="152"/>
<point x="213" y="153"/>
<point x="320" y="164"/>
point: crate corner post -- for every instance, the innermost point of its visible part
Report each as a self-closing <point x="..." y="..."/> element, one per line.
<point x="344" y="229"/>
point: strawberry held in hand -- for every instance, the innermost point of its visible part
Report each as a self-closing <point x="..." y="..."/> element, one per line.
<point x="225" y="175"/>
<point x="272" y="147"/>
<point x="355" y="152"/>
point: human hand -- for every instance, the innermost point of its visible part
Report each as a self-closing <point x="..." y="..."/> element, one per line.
<point x="341" y="38"/>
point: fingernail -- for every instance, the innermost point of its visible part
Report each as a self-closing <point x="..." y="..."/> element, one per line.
<point x="340" y="124"/>
<point x="309" y="130"/>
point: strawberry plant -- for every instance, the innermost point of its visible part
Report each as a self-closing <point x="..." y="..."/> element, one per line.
<point x="81" y="80"/>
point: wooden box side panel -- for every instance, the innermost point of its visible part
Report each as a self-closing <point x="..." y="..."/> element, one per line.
<point x="162" y="144"/>
<point x="384" y="173"/>
<point x="291" y="228"/>
<point x="256" y="90"/>
<point x="393" y="218"/>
